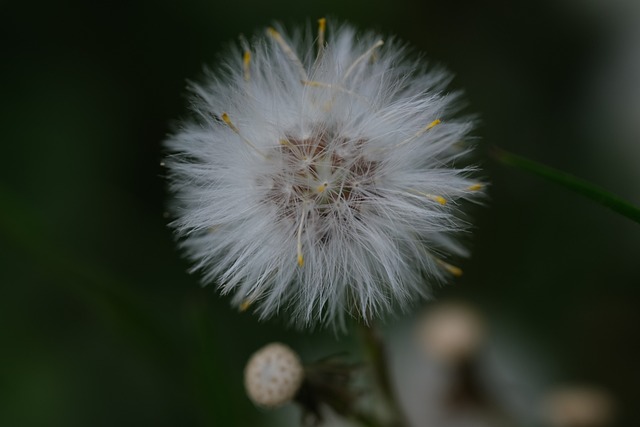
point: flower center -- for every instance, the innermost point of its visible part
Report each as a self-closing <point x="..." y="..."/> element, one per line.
<point x="320" y="176"/>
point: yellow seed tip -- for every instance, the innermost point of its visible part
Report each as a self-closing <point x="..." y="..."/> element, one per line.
<point x="300" y="260"/>
<point x="475" y="187"/>
<point x="244" y="306"/>
<point x="246" y="61"/>
<point x="228" y="122"/>
<point x="455" y="271"/>
<point x="440" y="200"/>
<point x="452" y="269"/>
<point x="322" y="25"/>
<point x="433" y="124"/>
<point x="321" y="188"/>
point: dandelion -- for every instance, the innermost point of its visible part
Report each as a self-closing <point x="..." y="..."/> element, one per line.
<point x="319" y="176"/>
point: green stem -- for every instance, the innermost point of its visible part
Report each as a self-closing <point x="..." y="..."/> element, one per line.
<point x="375" y="348"/>
<point x="578" y="185"/>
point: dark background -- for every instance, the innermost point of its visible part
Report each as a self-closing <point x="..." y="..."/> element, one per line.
<point x="100" y="325"/>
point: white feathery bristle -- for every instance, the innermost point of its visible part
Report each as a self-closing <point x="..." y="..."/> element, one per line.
<point x="321" y="177"/>
<point x="273" y="375"/>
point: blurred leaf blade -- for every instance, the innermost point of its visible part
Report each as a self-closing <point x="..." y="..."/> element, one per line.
<point x="587" y="189"/>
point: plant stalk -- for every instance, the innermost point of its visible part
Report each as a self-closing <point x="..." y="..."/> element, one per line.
<point x="376" y="352"/>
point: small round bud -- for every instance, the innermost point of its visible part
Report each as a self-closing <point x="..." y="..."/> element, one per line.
<point x="273" y="375"/>
<point x="451" y="332"/>
<point x="578" y="407"/>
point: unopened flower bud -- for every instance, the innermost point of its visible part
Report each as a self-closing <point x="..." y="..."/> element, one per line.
<point x="273" y="375"/>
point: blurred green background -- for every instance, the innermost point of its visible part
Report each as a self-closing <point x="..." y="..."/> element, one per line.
<point x="101" y="325"/>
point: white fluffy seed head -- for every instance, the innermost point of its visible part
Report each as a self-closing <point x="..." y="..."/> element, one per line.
<point x="321" y="176"/>
<point x="451" y="332"/>
<point x="578" y="406"/>
<point x="273" y="375"/>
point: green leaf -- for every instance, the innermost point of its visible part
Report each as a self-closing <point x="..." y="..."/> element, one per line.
<point x="571" y="182"/>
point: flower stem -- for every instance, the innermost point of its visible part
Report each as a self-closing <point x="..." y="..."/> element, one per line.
<point x="571" y="182"/>
<point x="374" y="346"/>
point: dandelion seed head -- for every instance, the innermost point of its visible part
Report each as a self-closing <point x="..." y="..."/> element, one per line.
<point x="579" y="406"/>
<point x="452" y="332"/>
<point x="319" y="176"/>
